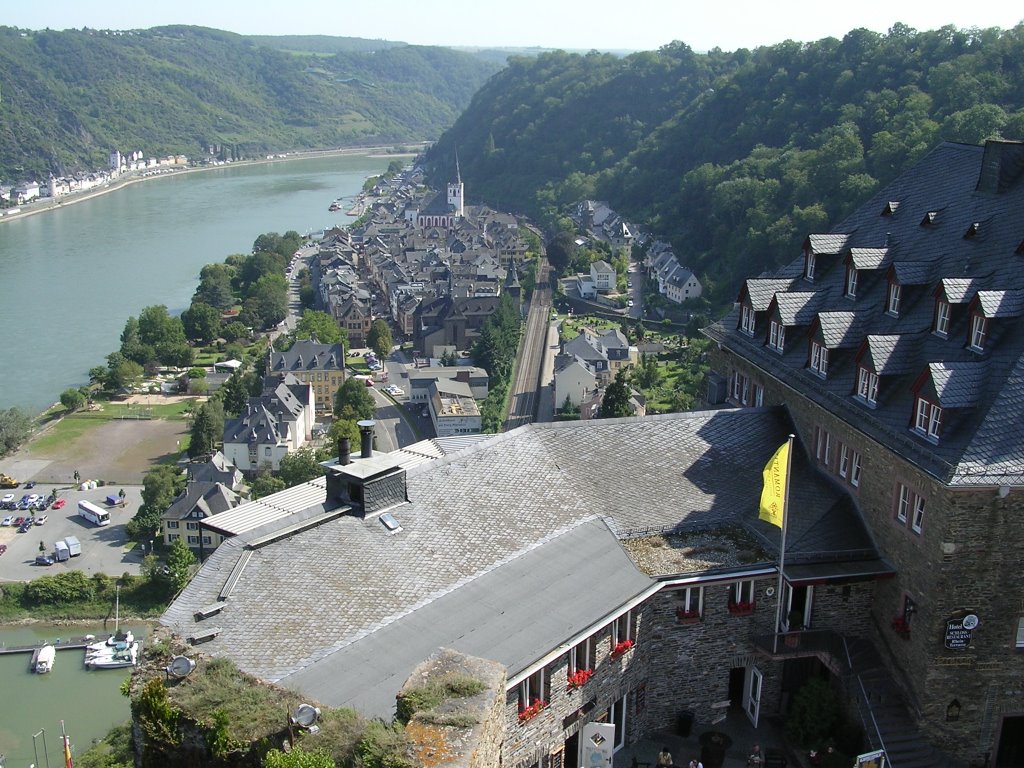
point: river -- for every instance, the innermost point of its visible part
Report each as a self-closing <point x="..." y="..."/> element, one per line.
<point x="88" y="701"/>
<point x="73" y="275"/>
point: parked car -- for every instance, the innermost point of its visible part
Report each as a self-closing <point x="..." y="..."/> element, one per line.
<point x="8" y="521"/>
<point x="18" y="521"/>
<point x="629" y="303"/>
<point x="41" y="520"/>
<point x="7" y="499"/>
<point x="30" y="484"/>
<point x="3" y="548"/>
<point x="59" y="504"/>
<point x="25" y="527"/>
<point x="44" y="560"/>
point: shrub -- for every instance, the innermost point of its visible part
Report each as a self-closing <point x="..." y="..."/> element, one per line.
<point x="816" y="713"/>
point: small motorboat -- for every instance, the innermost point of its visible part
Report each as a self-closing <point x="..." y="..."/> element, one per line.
<point x="118" y="659"/>
<point x="42" y="660"/>
<point x="111" y="642"/>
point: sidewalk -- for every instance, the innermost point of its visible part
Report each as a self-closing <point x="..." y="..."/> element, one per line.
<point x="736" y="727"/>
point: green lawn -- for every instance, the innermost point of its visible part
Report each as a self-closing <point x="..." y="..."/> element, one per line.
<point x="74" y="425"/>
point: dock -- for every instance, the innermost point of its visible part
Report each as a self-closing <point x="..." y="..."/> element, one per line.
<point x="61" y="644"/>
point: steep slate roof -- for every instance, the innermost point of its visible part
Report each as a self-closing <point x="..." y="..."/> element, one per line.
<point x="308" y="356"/>
<point x="479" y="512"/>
<point x="955" y="233"/>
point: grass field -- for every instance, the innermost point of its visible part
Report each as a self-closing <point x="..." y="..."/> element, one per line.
<point x="75" y="425"/>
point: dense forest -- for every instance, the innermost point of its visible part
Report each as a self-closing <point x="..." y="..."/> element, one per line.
<point x="67" y="99"/>
<point x="732" y="157"/>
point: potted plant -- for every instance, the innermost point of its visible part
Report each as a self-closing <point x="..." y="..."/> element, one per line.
<point x="620" y="648"/>
<point x="578" y="678"/>
<point x="684" y="616"/>
<point x="741" y="608"/>
<point x="527" y="713"/>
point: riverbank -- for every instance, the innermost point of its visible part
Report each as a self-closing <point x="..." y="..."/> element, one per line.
<point x="48" y="204"/>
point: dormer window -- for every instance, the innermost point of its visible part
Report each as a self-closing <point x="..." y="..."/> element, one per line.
<point x="747" y="320"/>
<point x="979" y="332"/>
<point x="809" y="267"/>
<point x="777" y="336"/>
<point x="851" y="282"/>
<point x="819" y="359"/>
<point x="892" y="304"/>
<point x="942" y="318"/>
<point x="928" y="420"/>
<point x="867" y="386"/>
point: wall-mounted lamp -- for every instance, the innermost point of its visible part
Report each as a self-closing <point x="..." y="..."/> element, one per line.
<point x="953" y="710"/>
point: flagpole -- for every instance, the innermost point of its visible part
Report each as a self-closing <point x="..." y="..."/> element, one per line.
<point x="782" y="548"/>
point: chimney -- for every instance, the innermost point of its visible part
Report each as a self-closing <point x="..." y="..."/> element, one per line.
<point x="344" y="452"/>
<point x="366" y="438"/>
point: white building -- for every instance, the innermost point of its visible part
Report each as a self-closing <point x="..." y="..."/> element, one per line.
<point x="453" y="409"/>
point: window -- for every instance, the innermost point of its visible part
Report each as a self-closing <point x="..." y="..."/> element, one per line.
<point x="979" y="331"/>
<point x="844" y="460"/>
<point x="758" y="395"/>
<point x="910" y="508"/>
<point x="192" y="526"/>
<point x="747" y="320"/>
<point x="893" y="304"/>
<point x="740" y="388"/>
<point x="690" y="602"/>
<point x="855" y="469"/>
<point x="929" y="418"/>
<point x="851" y="283"/>
<point x="172" y="523"/>
<point x="1020" y="634"/>
<point x="174" y="536"/>
<point x="207" y="540"/>
<point x="193" y="540"/>
<point x="623" y="628"/>
<point x="819" y="359"/>
<point x="826" y="454"/>
<point x="534" y="688"/>
<point x="742" y="593"/>
<point x="583" y="656"/>
<point x="777" y="336"/>
<point x="942" y="318"/>
<point x="266" y="451"/>
<point x="809" y="267"/>
<point x="867" y="386"/>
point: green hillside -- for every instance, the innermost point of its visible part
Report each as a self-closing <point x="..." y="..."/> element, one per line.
<point x="733" y="157"/>
<point x="69" y="98"/>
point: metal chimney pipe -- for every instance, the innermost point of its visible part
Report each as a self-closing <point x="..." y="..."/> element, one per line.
<point x="344" y="451"/>
<point x="366" y="438"/>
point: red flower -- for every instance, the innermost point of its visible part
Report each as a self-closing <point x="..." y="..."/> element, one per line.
<point x="579" y="678"/>
<point x="529" y="712"/>
<point x="743" y="606"/>
<point x="901" y="626"/>
<point x="621" y="647"/>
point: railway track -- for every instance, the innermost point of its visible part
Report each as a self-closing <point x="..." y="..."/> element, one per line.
<point x="526" y="382"/>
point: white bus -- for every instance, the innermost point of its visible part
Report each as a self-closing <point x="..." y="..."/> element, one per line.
<point x="93" y="514"/>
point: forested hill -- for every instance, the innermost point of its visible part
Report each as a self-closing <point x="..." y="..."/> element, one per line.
<point x="733" y="157"/>
<point x="67" y="99"/>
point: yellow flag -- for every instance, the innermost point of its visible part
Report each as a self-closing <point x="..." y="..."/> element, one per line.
<point x="773" y="497"/>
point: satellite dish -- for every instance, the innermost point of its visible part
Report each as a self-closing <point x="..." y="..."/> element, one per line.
<point x="180" y="666"/>
<point x="305" y="715"/>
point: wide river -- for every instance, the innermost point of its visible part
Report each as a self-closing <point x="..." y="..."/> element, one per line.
<point x="72" y="276"/>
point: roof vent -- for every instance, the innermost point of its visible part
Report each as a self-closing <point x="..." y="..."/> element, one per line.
<point x="390" y="522"/>
<point x="180" y="667"/>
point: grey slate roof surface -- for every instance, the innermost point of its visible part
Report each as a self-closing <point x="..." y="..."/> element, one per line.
<point x="762" y="290"/>
<point x="513" y="614"/>
<point x="841" y="328"/>
<point x="958" y="385"/>
<point x="944" y="184"/>
<point x="315" y="591"/>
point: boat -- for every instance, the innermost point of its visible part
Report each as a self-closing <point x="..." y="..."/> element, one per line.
<point x="118" y="638"/>
<point x="126" y="657"/>
<point x="42" y="659"/>
<point x="335" y="206"/>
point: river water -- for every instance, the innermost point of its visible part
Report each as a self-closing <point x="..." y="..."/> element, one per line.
<point x="71" y="277"/>
<point x="88" y="701"/>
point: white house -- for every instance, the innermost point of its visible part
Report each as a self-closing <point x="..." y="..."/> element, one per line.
<point x="273" y="425"/>
<point x="574" y="382"/>
<point x="453" y="409"/>
<point x="603" y="275"/>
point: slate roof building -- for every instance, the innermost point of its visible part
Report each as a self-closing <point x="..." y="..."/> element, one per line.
<point x="897" y="343"/>
<point x="320" y="365"/>
<point x="274" y="424"/>
<point x="534" y="548"/>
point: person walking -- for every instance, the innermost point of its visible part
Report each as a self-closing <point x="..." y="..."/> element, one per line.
<point x="664" y="757"/>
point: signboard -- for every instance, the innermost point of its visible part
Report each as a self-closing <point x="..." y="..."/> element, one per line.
<point x="871" y="759"/>
<point x="959" y="631"/>
<point x="597" y="742"/>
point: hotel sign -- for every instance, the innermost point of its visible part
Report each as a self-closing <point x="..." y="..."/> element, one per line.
<point x="959" y="631"/>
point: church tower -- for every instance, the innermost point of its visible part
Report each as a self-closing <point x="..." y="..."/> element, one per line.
<point x="456" y="202"/>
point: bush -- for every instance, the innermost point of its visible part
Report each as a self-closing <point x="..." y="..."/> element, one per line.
<point x="816" y="713"/>
<point x="70" y="587"/>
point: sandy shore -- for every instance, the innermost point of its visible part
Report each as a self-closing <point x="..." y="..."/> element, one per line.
<point x="46" y="204"/>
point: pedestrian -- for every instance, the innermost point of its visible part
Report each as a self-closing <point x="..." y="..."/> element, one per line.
<point x="664" y="757"/>
<point x="755" y="760"/>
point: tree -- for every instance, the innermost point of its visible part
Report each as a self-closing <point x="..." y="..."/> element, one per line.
<point x="14" y="429"/>
<point x="207" y="429"/>
<point x="122" y="373"/>
<point x="159" y="488"/>
<point x="353" y="401"/>
<point x="379" y="338"/>
<point x="267" y="302"/>
<point x="298" y="758"/>
<point x="616" y="398"/>
<point x="341" y="428"/>
<point x="181" y="562"/>
<point x="321" y="325"/>
<point x="235" y="395"/>
<point x="265" y="484"/>
<point x="72" y="399"/>
<point x="300" y="466"/>
<point x="215" y="286"/>
<point x="234" y="331"/>
<point x="201" y="322"/>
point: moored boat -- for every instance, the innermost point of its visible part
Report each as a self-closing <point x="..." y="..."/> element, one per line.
<point x="111" y="642"/>
<point x="118" y="659"/>
<point x="42" y="660"/>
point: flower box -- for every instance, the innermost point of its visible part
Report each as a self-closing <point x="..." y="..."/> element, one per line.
<point x="579" y="678"/>
<point x="620" y="648"/>
<point x="742" y="608"/>
<point x="687" y="617"/>
<point x="526" y="714"/>
<point x="901" y="627"/>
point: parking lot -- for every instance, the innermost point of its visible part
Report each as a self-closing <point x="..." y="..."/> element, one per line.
<point x="104" y="548"/>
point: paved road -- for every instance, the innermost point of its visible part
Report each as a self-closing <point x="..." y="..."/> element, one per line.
<point x="104" y="549"/>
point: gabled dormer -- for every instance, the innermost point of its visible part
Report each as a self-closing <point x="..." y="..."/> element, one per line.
<point x="754" y="299"/>
<point x="942" y="392"/>
<point x="830" y="332"/>
<point x="880" y="356"/>
<point x="952" y="295"/>
<point x="985" y="311"/>
<point x="890" y="208"/>
<point x="790" y="310"/>
<point x="820" y="251"/>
